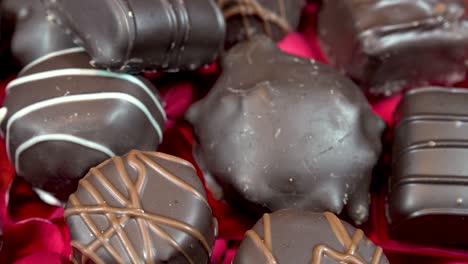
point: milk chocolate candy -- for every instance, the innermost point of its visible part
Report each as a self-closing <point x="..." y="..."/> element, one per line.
<point x="390" y="45"/>
<point x="29" y="32"/>
<point x="301" y="237"/>
<point x="279" y="131"/>
<point x="247" y="18"/>
<point x="137" y="34"/>
<point x="428" y="199"/>
<point x="144" y="207"/>
<point x="63" y="117"/>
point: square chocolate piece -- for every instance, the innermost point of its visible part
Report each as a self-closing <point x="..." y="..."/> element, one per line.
<point x="428" y="199"/>
<point x="390" y="45"/>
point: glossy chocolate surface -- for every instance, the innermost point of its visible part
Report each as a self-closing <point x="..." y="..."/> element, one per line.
<point x="247" y="18"/>
<point x="138" y="34"/>
<point x="144" y="207"/>
<point x="430" y="174"/>
<point x="301" y="237"/>
<point x="390" y="45"/>
<point x="31" y="34"/>
<point x="64" y="117"/>
<point x="279" y="131"/>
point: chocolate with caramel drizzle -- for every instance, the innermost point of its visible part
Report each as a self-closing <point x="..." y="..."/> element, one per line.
<point x="144" y="207"/>
<point x="294" y="236"/>
<point x="247" y="18"/>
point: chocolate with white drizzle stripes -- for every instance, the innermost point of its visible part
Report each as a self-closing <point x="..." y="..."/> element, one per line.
<point x="133" y="35"/>
<point x="88" y="114"/>
<point x="246" y="18"/>
<point x="144" y="207"/>
<point x="293" y="236"/>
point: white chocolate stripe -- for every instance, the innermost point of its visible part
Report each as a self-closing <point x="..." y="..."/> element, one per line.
<point x="59" y="137"/>
<point x="88" y="72"/>
<point x="77" y="98"/>
<point x="51" y="55"/>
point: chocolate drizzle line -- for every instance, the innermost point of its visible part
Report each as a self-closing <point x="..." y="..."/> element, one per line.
<point x="131" y="209"/>
<point x="246" y="8"/>
<point x="351" y="256"/>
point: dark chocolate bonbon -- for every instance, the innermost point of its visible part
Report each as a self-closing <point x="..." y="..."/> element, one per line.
<point x="301" y="237"/>
<point x="390" y="45"/>
<point x="144" y="207"/>
<point x="279" y="131"/>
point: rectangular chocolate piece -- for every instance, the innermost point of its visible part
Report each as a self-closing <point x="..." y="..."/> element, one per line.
<point x="428" y="198"/>
<point x="389" y="45"/>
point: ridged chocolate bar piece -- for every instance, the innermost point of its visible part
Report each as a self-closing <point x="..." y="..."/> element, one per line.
<point x="29" y="32"/>
<point x="137" y="34"/>
<point x="63" y="117"/>
<point x="144" y="207"/>
<point x="279" y="131"/>
<point x="247" y="18"/>
<point x="301" y="237"/>
<point x="390" y="45"/>
<point x="429" y="184"/>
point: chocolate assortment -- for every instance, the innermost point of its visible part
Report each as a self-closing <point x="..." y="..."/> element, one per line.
<point x="283" y="137"/>
<point x="62" y="121"/>
<point x="135" y="35"/>
<point x="144" y="207"/>
<point x="247" y="18"/>
<point x="430" y="174"/>
<point x="294" y="236"/>
<point x="29" y="33"/>
<point x="389" y="45"/>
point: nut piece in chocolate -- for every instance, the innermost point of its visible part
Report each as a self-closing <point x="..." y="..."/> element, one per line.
<point x="63" y="117"/>
<point x="144" y="207"/>
<point x="247" y="18"/>
<point x="429" y="183"/>
<point x="302" y="237"/>
<point x="138" y="34"/>
<point x="390" y="45"/>
<point x="279" y="131"/>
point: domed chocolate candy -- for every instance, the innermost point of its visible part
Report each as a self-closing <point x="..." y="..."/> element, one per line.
<point x="390" y="45"/>
<point x="282" y="131"/>
<point x="133" y="35"/>
<point x="32" y="34"/>
<point x="301" y="237"/>
<point x="246" y="18"/>
<point x="144" y="207"/>
<point x="64" y="117"/>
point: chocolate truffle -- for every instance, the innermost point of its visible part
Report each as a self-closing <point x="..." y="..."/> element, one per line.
<point x="389" y="45"/>
<point x="246" y="18"/>
<point x="281" y="131"/>
<point x="62" y="121"/>
<point x="133" y="35"/>
<point x="429" y="184"/>
<point x="31" y="34"/>
<point x="302" y="237"/>
<point x="144" y="207"/>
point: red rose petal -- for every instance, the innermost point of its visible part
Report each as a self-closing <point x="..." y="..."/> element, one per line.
<point x="43" y="257"/>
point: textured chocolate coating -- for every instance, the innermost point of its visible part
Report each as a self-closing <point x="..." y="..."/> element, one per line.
<point x="64" y="117"/>
<point x="137" y="34"/>
<point x="247" y="18"/>
<point x="301" y="237"/>
<point x="429" y="184"/>
<point x="389" y="45"/>
<point x="144" y="207"/>
<point x="32" y="34"/>
<point x="282" y="131"/>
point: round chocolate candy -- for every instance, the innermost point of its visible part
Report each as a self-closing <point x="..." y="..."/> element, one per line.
<point x="31" y="34"/>
<point x="247" y="18"/>
<point x="134" y="35"/>
<point x="279" y="131"/>
<point x="144" y="207"/>
<point x="302" y="237"/>
<point x="63" y="117"/>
